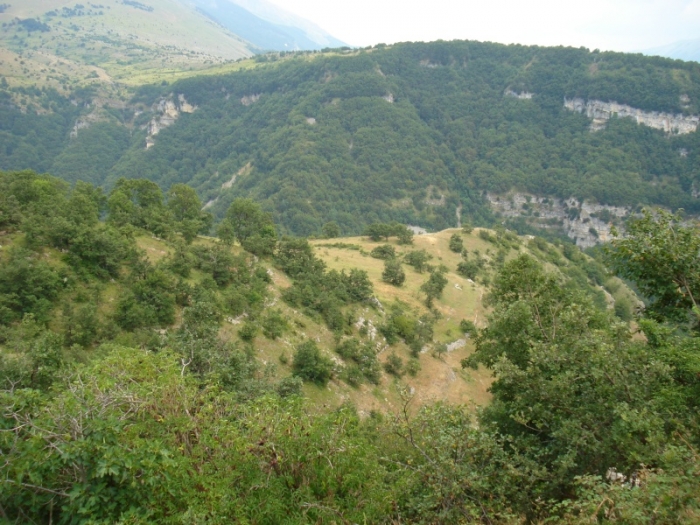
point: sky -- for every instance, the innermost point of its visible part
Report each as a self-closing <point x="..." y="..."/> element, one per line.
<point x="619" y="25"/>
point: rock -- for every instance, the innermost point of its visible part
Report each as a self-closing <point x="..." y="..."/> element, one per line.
<point x="600" y="112"/>
<point x="459" y="343"/>
<point x="167" y="111"/>
<point x="579" y="226"/>
<point x="250" y="99"/>
<point x="417" y="230"/>
<point x="523" y="95"/>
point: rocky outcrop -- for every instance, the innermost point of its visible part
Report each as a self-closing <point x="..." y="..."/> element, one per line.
<point x="417" y="230"/>
<point x="586" y="223"/>
<point x="600" y="112"/>
<point x="249" y="100"/>
<point x="243" y="171"/>
<point x="81" y="123"/>
<point x="434" y="197"/>
<point x="523" y="95"/>
<point x="167" y="111"/>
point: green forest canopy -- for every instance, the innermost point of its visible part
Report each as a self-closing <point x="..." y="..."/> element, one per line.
<point x="407" y="132"/>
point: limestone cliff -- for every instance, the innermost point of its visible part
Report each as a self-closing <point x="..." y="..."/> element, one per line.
<point x="522" y="95"/>
<point x="167" y="110"/>
<point x="600" y="112"/>
<point x="586" y="223"/>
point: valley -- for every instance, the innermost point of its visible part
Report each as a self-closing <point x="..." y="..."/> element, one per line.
<point x="376" y="134"/>
<point x="249" y="274"/>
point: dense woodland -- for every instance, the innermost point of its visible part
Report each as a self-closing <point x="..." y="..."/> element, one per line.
<point x="134" y="410"/>
<point x="409" y="132"/>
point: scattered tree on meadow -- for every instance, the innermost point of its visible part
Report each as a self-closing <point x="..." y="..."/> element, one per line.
<point x="434" y="286"/>
<point x="418" y="259"/>
<point x="393" y="272"/>
<point x="456" y="243"/>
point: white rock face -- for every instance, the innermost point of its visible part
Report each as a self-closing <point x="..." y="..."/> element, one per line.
<point x="600" y="112"/>
<point x="250" y="99"/>
<point x="523" y="95"/>
<point x="80" y="123"/>
<point x="167" y="111"/>
<point x="579" y="225"/>
<point x="456" y="345"/>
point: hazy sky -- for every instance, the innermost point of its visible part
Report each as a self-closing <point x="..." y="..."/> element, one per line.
<point x="623" y="25"/>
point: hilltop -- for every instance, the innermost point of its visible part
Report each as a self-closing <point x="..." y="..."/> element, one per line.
<point x="98" y="284"/>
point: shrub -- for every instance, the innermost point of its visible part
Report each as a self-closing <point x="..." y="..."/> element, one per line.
<point x="289" y="386"/>
<point x="456" y="243"/>
<point x="413" y="367"/>
<point x="418" y="259"/>
<point x="486" y="235"/>
<point x="467" y="327"/>
<point x="362" y="355"/>
<point x="310" y="365"/>
<point x="434" y="286"/>
<point x="331" y="230"/>
<point x="248" y="331"/>
<point x="274" y="324"/>
<point x="353" y="375"/>
<point x="394" y="365"/>
<point x="468" y="269"/>
<point x="384" y="251"/>
<point x="393" y="273"/>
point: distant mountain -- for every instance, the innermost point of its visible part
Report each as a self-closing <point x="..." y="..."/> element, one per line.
<point x="64" y="45"/>
<point x="683" y="50"/>
<point x="266" y="26"/>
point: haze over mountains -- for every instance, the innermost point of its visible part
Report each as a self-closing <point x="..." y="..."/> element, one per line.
<point x="266" y="26"/>
<point x="59" y="43"/>
<point x="682" y="50"/>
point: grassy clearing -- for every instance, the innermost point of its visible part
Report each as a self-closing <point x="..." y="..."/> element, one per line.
<point x="440" y="378"/>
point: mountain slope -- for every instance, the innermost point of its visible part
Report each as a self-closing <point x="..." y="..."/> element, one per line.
<point x="265" y="26"/>
<point x="417" y="133"/>
<point x="115" y="39"/>
<point x="63" y="44"/>
<point x="95" y="282"/>
<point x="424" y="134"/>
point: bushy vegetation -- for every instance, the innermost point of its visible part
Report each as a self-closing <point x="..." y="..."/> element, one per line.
<point x="120" y="402"/>
<point x="393" y="272"/>
<point x="316" y="290"/>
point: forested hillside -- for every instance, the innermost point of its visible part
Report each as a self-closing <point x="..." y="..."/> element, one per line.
<point x="148" y="375"/>
<point x="412" y="132"/>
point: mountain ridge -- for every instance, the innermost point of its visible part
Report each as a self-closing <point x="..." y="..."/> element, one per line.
<point x="65" y="44"/>
<point x="417" y="133"/>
